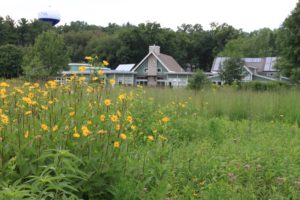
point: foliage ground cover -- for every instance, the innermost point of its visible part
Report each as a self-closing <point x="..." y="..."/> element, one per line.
<point x="100" y="141"/>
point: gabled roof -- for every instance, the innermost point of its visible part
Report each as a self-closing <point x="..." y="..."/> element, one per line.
<point x="170" y="62"/>
<point x="167" y="61"/>
<point x="125" y="67"/>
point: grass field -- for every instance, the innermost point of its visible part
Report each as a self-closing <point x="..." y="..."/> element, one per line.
<point x="90" y="141"/>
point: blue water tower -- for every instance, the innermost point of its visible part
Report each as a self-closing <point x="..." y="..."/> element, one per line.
<point x="49" y="15"/>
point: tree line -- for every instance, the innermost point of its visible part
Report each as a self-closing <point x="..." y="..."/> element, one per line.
<point x="191" y="45"/>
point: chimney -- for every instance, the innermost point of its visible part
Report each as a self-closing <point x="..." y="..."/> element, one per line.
<point x="154" y="49"/>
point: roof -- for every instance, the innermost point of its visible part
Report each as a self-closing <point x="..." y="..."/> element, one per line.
<point x="125" y="67"/>
<point x="260" y="64"/>
<point x="170" y="62"/>
<point x="167" y="61"/>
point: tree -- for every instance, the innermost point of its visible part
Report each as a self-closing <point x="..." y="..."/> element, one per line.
<point x="10" y="61"/>
<point x="198" y="81"/>
<point x="232" y="71"/>
<point x="47" y="57"/>
<point x="261" y="43"/>
<point x="289" y="43"/>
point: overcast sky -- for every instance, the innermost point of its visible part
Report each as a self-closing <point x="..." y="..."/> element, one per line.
<point x="246" y="14"/>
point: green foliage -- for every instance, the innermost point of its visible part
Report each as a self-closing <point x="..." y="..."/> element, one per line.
<point x="46" y="58"/>
<point x="198" y="81"/>
<point x="232" y="71"/>
<point x="289" y="44"/>
<point x="261" y="43"/>
<point x="10" y="61"/>
<point x="264" y="86"/>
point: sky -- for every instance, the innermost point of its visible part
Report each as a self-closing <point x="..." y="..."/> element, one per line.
<point x="248" y="15"/>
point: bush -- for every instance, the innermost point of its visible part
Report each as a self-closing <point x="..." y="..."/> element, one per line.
<point x="264" y="86"/>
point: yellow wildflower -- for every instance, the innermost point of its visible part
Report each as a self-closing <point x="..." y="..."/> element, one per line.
<point x="119" y="113"/>
<point x="44" y="127"/>
<point x="81" y="79"/>
<point x="85" y="131"/>
<point x="129" y="119"/>
<point x="4" y="84"/>
<point x="28" y="112"/>
<point x="82" y="68"/>
<point x="100" y="72"/>
<point x="72" y="114"/>
<point x="52" y="84"/>
<point x="107" y="102"/>
<point x="112" y="81"/>
<point x="76" y="135"/>
<point x="4" y="119"/>
<point x="89" y="122"/>
<point x="102" y="118"/>
<point x="105" y="62"/>
<point x="150" y="137"/>
<point x="88" y="58"/>
<point x="123" y="136"/>
<point x="19" y="90"/>
<point x="90" y="89"/>
<point x="44" y="107"/>
<point x="95" y="78"/>
<point x="116" y="144"/>
<point x="118" y="127"/>
<point x="165" y="119"/>
<point x="26" y="134"/>
<point x="30" y="95"/>
<point x="54" y="128"/>
<point x="122" y="97"/>
<point x="154" y="131"/>
<point x="102" y="131"/>
<point x="114" y="118"/>
<point x="133" y="127"/>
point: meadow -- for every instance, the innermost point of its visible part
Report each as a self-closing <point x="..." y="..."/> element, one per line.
<point x="102" y="141"/>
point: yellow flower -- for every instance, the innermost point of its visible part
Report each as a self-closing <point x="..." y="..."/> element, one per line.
<point x="52" y="84"/>
<point x="30" y="95"/>
<point x="105" y="62"/>
<point x="133" y="127"/>
<point x="123" y="136"/>
<point x="102" y="131"/>
<point x="81" y="79"/>
<point x="28" y="112"/>
<point x="44" y="107"/>
<point x="85" y="131"/>
<point x="165" y="119"/>
<point x="26" y="134"/>
<point x="44" y="127"/>
<point x="90" y="89"/>
<point x="119" y="113"/>
<point x="76" y="135"/>
<point x="102" y="118"/>
<point x="82" y="68"/>
<point x="116" y="144"/>
<point x="122" y="97"/>
<point x="118" y="127"/>
<point x="88" y="58"/>
<point x="129" y="119"/>
<point x="4" y="119"/>
<point x="154" y="131"/>
<point x="95" y="78"/>
<point x="107" y="102"/>
<point x="89" y="122"/>
<point x="150" y="137"/>
<point x="112" y="81"/>
<point x="114" y="118"/>
<point x="4" y="84"/>
<point x="100" y="72"/>
<point x="54" y="128"/>
<point x="72" y="114"/>
<point x="19" y="90"/>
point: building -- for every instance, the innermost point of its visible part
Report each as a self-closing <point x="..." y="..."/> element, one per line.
<point x="256" y="69"/>
<point x="155" y="69"/>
